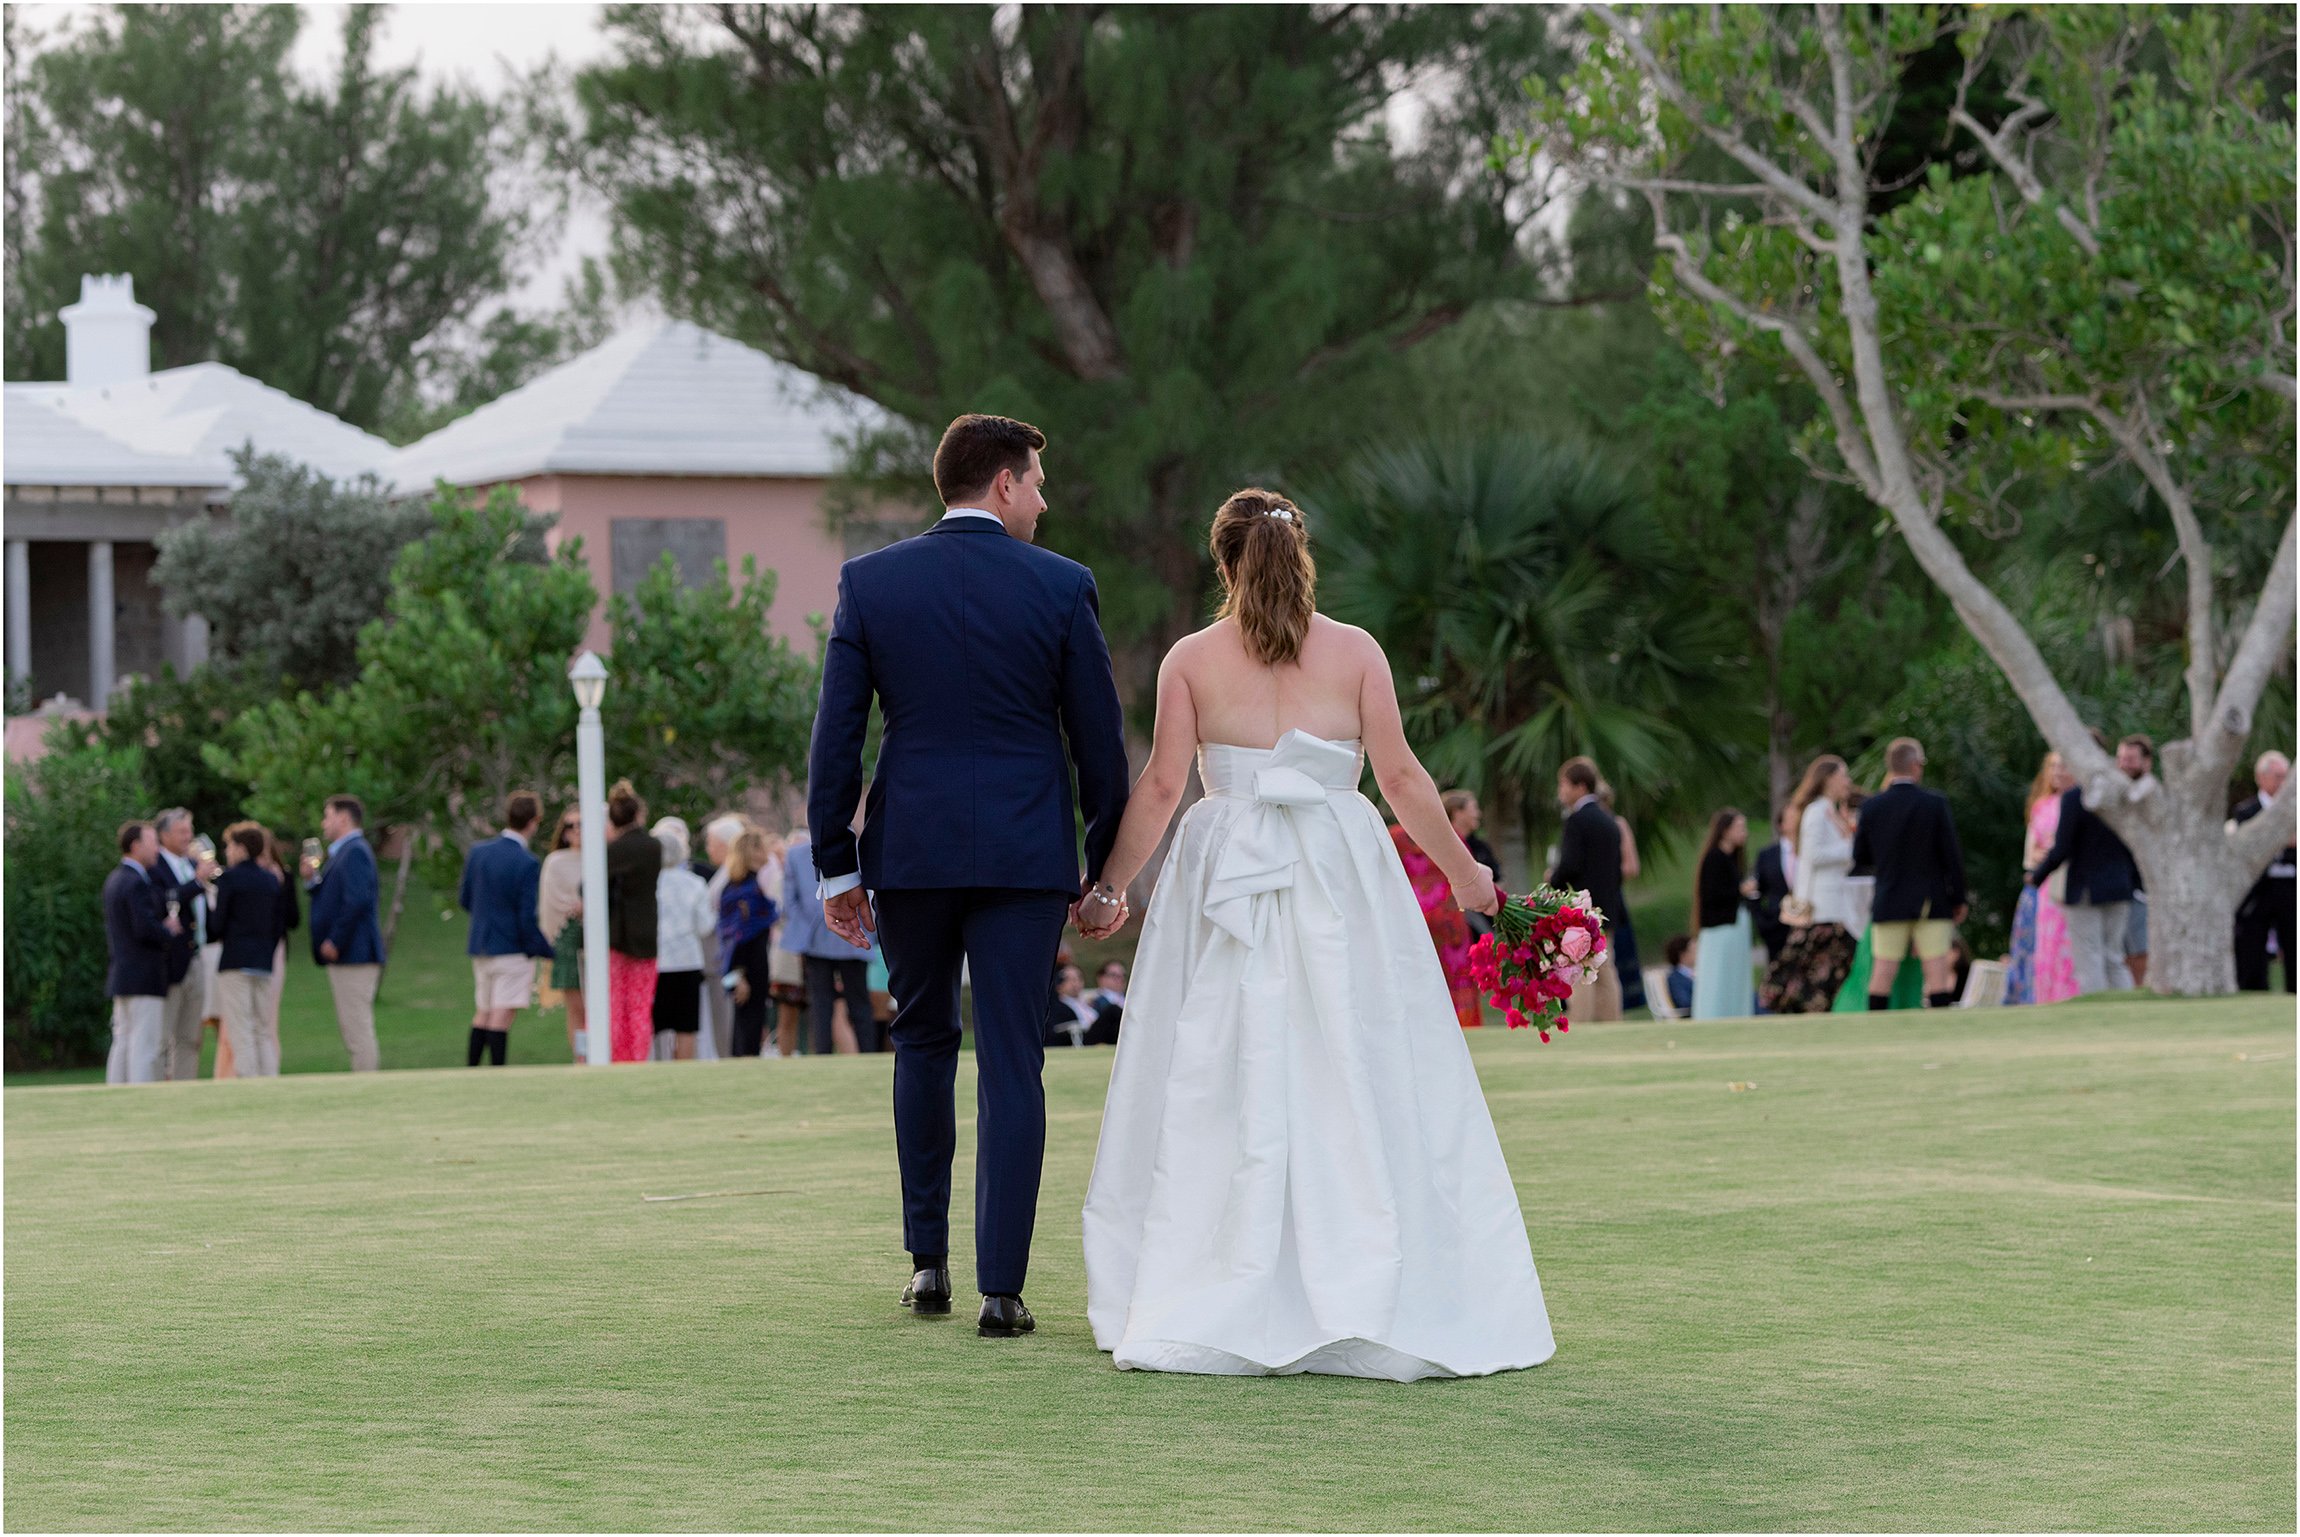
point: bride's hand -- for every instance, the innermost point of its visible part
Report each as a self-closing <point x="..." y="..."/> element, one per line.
<point x="1476" y="895"/>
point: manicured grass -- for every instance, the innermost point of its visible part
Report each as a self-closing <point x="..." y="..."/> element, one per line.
<point x="2024" y="1269"/>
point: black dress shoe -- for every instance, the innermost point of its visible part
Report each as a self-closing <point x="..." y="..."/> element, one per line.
<point x="928" y="1292"/>
<point x="1003" y="1318"/>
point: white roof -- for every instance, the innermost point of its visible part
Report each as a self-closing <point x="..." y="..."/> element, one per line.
<point x="173" y="428"/>
<point x="661" y="397"/>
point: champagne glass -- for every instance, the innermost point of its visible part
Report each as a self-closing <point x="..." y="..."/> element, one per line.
<point x="204" y="851"/>
<point x="313" y="852"/>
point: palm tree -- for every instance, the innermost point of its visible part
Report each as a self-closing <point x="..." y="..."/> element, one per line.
<point x="1520" y="588"/>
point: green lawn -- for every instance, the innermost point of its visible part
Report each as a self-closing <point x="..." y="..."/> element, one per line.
<point x="2026" y="1269"/>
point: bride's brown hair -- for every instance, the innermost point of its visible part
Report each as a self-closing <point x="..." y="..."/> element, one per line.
<point x="1269" y="583"/>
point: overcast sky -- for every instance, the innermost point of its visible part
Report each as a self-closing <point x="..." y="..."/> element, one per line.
<point x="482" y="45"/>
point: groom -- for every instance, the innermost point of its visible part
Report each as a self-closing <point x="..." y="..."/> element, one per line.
<point x="986" y="657"/>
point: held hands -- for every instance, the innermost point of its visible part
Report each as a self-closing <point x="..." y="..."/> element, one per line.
<point x="850" y="917"/>
<point x="1476" y="895"/>
<point x="1100" y="911"/>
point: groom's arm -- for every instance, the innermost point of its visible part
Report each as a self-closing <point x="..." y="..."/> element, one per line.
<point x="834" y="756"/>
<point x="1096" y="727"/>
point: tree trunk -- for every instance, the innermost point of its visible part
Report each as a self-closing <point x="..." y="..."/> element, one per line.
<point x="1509" y="828"/>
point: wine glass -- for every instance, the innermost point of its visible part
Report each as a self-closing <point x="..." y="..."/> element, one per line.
<point x="313" y="852"/>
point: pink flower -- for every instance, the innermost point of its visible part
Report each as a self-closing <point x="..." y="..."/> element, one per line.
<point x="1574" y="944"/>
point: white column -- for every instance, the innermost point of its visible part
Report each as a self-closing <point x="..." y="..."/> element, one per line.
<point x="591" y="796"/>
<point x="19" y="608"/>
<point x="103" y="620"/>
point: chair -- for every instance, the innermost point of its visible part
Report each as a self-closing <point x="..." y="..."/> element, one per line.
<point x="1657" y="992"/>
<point x="1984" y="986"/>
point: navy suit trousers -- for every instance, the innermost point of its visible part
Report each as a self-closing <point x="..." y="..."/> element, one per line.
<point x="1007" y="940"/>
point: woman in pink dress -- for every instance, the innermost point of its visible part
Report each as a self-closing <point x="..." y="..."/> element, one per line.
<point x="2041" y="969"/>
<point x="1449" y="927"/>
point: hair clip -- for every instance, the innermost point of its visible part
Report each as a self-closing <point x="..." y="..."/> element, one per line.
<point x="1283" y="512"/>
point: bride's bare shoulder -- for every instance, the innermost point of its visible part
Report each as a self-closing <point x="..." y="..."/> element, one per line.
<point x="1343" y="640"/>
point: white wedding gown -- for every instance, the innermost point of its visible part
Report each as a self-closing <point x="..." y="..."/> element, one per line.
<point x="1297" y="1170"/>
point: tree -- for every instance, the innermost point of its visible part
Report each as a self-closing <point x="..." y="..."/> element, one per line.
<point x="1519" y="589"/>
<point x="289" y="581"/>
<point x="2116" y="285"/>
<point x="317" y="239"/>
<point x="1181" y="239"/>
<point x="707" y="703"/>
<point x="461" y="695"/>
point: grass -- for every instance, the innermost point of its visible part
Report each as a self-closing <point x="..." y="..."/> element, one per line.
<point x="2019" y="1270"/>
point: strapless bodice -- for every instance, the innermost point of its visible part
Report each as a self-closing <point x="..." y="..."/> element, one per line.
<point x="1301" y="767"/>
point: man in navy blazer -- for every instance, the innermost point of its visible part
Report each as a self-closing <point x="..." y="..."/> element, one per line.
<point x="986" y="657"/>
<point x="137" y="931"/>
<point x="2100" y="886"/>
<point x="346" y="936"/>
<point x="1908" y="837"/>
<point x="500" y="879"/>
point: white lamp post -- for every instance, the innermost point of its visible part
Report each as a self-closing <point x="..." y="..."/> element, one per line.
<point x="589" y="678"/>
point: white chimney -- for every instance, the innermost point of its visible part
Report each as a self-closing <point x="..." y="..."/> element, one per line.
<point x="107" y="335"/>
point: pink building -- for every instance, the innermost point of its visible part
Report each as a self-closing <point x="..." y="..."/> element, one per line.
<point x="670" y="438"/>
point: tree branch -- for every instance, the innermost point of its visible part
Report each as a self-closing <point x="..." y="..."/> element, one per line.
<point x="2267" y="643"/>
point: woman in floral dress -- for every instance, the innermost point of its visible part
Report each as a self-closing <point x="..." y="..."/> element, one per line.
<point x="2040" y="967"/>
<point x="1449" y="926"/>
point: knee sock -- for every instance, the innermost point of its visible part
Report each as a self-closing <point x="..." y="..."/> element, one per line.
<point x="1880" y="1003"/>
<point x="498" y="1046"/>
<point x="1940" y="1000"/>
<point x="478" y="1045"/>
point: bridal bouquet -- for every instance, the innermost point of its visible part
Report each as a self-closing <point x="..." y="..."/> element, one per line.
<point x="1541" y="945"/>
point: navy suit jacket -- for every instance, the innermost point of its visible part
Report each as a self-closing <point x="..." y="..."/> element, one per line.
<point x="343" y="908"/>
<point x="137" y="934"/>
<point x="986" y="657"/>
<point x="500" y="878"/>
<point x="1589" y="859"/>
<point x="2100" y="867"/>
<point x="1908" y="837"/>
<point x="254" y="910"/>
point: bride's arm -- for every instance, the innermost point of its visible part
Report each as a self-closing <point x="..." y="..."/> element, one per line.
<point x="1159" y="790"/>
<point x="1407" y="786"/>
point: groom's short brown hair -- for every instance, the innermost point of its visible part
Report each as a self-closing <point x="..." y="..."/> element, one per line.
<point x="975" y="448"/>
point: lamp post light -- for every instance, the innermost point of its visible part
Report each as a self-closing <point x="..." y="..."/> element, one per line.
<point x="588" y="677"/>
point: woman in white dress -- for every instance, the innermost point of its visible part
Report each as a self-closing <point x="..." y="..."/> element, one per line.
<point x="1297" y="1170"/>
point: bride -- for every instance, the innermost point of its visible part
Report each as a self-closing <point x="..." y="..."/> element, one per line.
<point x="1297" y="1171"/>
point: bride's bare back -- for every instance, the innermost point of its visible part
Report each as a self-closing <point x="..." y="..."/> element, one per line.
<point x="1245" y="703"/>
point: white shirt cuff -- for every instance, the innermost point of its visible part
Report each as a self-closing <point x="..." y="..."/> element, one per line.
<point x="835" y="885"/>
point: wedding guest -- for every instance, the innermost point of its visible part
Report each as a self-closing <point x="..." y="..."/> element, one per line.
<point x="279" y="859"/>
<point x="2100" y="883"/>
<point x="683" y="915"/>
<point x="1818" y="954"/>
<point x="502" y="891"/>
<point x="2267" y="911"/>
<point x="1109" y="1000"/>
<point x="559" y="916"/>
<point x="1448" y="925"/>
<point x="184" y="877"/>
<point x="1463" y="811"/>
<point x="746" y="927"/>
<point x="834" y="971"/>
<point x="634" y="861"/>
<point x="1722" y="894"/>
<point x="1589" y="859"/>
<point x="1776" y="875"/>
<point x="1681" y="977"/>
<point x="2039" y="967"/>
<point x="1908" y="837"/>
<point x="250" y="922"/>
<point x="346" y="933"/>
<point x="1073" y="1014"/>
<point x="719" y="835"/>
<point x="2136" y="759"/>
<point x="137" y="931"/>
<point x="1626" y="965"/>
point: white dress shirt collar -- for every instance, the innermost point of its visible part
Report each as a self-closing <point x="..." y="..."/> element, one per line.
<point x="516" y="837"/>
<point x="1586" y="800"/>
<point x="972" y="512"/>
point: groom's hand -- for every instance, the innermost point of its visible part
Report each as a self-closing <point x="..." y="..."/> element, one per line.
<point x="849" y="916"/>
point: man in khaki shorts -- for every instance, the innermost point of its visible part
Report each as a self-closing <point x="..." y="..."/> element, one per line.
<point x="500" y="882"/>
<point x="1908" y="837"/>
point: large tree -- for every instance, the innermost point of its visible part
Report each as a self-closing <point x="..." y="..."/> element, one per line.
<point x="2116" y="283"/>
<point x="331" y="239"/>
<point x="1181" y="239"/>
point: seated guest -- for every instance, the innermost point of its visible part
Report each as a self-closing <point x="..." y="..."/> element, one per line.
<point x="251" y="918"/>
<point x="1674" y="951"/>
<point x="1072" y="1016"/>
<point x="1109" y="1002"/>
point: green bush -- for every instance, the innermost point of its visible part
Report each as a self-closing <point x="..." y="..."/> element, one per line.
<point x="63" y="812"/>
